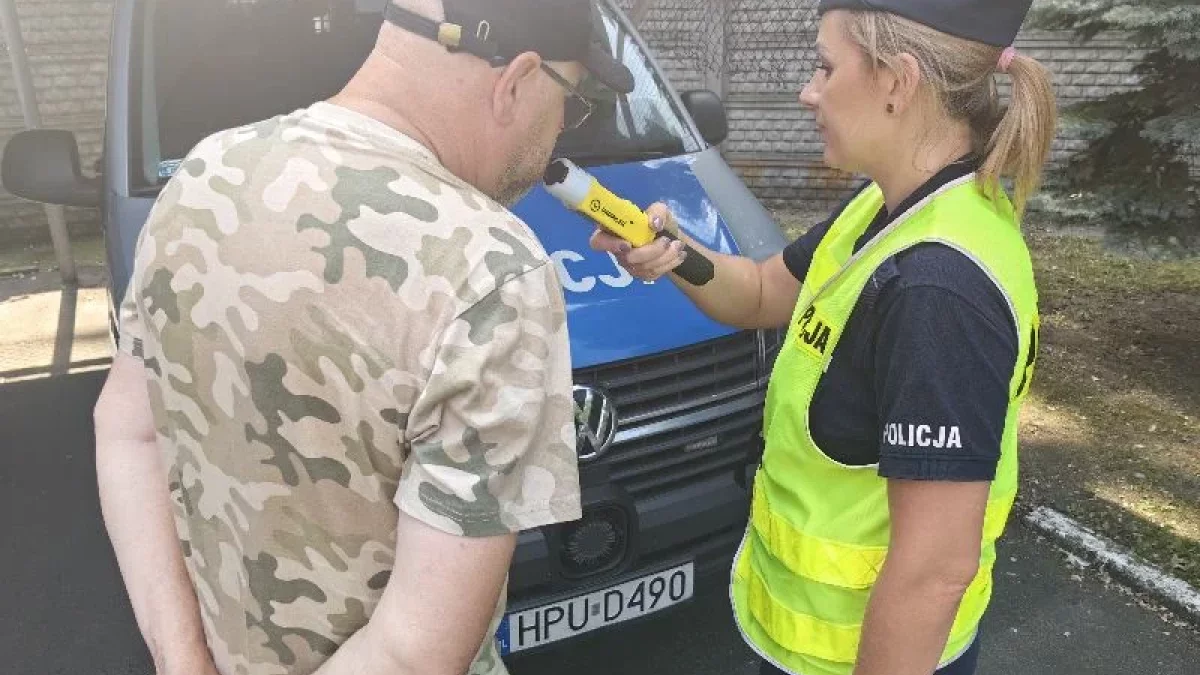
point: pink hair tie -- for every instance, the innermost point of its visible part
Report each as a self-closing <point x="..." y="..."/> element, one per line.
<point x="1006" y="58"/>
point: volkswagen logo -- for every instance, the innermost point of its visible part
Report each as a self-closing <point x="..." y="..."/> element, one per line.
<point x="595" y="422"/>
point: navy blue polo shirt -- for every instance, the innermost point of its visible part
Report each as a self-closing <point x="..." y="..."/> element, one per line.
<point x="919" y="381"/>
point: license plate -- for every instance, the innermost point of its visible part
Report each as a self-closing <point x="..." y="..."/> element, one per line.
<point x="584" y="613"/>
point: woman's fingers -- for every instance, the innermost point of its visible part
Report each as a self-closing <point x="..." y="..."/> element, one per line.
<point x="603" y="241"/>
<point x="661" y="218"/>
<point x="648" y="262"/>
<point x="668" y="256"/>
<point x="642" y="262"/>
<point x="625" y="252"/>
<point x="673" y="258"/>
<point x="648" y="256"/>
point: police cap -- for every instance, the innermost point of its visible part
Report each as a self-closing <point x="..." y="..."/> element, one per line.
<point x="993" y="22"/>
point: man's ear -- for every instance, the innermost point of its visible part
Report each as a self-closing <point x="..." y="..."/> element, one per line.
<point x="517" y="79"/>
<point x="902" y="82"/>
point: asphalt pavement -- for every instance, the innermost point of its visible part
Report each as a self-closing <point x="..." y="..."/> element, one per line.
<point x="63" y="611"/>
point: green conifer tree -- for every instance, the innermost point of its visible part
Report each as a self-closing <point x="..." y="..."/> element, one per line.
<point x="1142" y="165"/>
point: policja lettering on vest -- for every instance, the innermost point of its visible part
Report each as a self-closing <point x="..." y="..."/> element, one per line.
<point x="921" y="436"/>
<point x="813" y="331"/>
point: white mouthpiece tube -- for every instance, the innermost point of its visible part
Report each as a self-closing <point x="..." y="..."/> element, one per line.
<point x="567" y="182"/>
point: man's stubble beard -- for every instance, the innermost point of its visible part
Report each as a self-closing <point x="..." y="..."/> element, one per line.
<point x="523" y="170"/>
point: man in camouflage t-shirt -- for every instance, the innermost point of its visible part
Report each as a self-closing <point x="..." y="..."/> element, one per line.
<point x="344" y="366"/>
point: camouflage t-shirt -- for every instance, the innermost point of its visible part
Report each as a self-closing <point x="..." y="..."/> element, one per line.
<point x="336" y="328"/>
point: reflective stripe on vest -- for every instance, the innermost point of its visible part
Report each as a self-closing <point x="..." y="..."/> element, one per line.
<point x="819" y="530"/>
<point x="834" y="642"/>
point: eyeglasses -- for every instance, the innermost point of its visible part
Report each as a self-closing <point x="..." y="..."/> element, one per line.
<point x="576" y="109"/>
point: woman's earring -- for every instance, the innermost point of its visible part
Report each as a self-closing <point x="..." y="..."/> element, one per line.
<point x="891" y="108"/>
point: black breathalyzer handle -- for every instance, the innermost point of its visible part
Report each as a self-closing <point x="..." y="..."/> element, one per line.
<point x="695" y="268"/>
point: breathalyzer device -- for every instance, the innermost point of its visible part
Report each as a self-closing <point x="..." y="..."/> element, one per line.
<point x="580" y="191"/>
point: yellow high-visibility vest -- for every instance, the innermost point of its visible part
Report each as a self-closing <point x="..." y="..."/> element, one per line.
<point x="819" y="530"/>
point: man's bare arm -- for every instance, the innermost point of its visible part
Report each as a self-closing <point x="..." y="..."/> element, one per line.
<point x="436" y="609"/>
<point x="136" y="505"/>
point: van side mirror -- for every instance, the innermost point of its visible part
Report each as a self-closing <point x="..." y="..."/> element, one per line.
<point x="42" y="165"/>
<point x="709" y="112"/>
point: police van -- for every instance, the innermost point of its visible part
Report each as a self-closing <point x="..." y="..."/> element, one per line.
<point x="668" y="411"/>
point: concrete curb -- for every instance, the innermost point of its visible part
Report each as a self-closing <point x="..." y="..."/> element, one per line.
<point x="19" y="271"/>
<point x="1173" y="593"/>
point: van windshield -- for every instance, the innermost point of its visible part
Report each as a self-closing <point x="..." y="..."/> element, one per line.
<point x="212" y="65"/>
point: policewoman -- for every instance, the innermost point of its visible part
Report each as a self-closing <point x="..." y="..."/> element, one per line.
<point x="891" y="422"/>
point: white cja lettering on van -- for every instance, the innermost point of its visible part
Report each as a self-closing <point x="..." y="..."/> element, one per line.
<point x="587" y="283"/>
<point x="922" y="436"/>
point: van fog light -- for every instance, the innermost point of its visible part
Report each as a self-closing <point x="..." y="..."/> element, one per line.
<point x="594" y="544"/>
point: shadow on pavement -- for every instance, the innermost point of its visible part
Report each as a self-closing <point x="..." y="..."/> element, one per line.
<point x="62" y="604"/>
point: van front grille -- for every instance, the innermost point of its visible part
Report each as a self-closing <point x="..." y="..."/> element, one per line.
<point x="686" y="378"/>
<point x="689" y="454"/>
<point x="648" y="391"/>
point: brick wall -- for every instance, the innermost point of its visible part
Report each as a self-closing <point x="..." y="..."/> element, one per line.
<point x="755" y="53"/>
<point x="681" y="33"/>
<point x="67" y="46"/>
<point x="766" y="56"/>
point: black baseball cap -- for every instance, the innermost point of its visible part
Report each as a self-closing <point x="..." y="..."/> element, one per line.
<point x="992" y="22"/>
<point x="500" y="30"/>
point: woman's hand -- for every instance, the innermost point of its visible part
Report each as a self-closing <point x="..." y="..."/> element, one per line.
<point x="653" y="260"/>
<point x="743" y="293"/>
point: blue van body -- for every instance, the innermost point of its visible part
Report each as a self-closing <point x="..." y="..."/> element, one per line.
<point x="666" y="502"/>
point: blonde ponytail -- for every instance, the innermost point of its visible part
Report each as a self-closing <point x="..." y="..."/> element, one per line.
<point x="1020" y="145"/>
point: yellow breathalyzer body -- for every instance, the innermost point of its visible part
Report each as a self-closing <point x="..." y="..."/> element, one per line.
<point x="578" y="190"/>
<point x="619" y="216"/>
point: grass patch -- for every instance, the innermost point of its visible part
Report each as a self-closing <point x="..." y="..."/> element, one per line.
<point x="1120" y="361"/>
<point x="1111" y="431"/>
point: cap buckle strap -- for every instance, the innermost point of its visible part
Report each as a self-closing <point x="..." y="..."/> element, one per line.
<point x="450" y="35"/>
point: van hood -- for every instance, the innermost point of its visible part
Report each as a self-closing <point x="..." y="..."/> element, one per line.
<point x="610" y="315"/>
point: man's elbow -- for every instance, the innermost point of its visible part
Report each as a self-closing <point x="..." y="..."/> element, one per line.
<point x="111" y="423"/>
<point x="118" y="418"/>
<point x="405" y="657"/>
